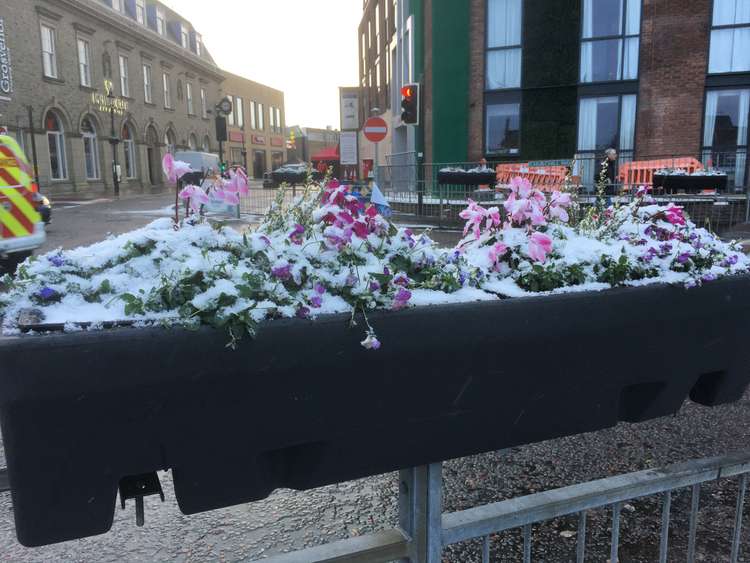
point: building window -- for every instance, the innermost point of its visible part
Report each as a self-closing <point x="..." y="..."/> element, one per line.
<point x="161" y="22"/>
<point x="167" y="90"/>
<point x="84" y="62"/>
<point x="204" y="104"/>
<point x="261" y="125"/>
<point x="124" y="77"/>
<point x="170" y="142"/>
<point x="239" y="109"/>
<point x="606" y="122"/>
<point x="725" y="134"/>
<point x="128" y="145"/>
<point x="271" y="119"/>
<point x="503" y="125"/>
<point x="140" y="11"/>
<point x="253" y="116"/>
<point x="198" y="42"/>
<point x="147" y="84"/>
<point x="49" y="52"/>
<point x="90" y="149"/>
<point x="504" y="44"/>
<point x="230" y="115"/>
<point x="118" y="5"/>
<point x="193" y="142"/>
<point x="189" y="96"/>
<point x="610" y="40"/>
<point x="185" y="38"/>
<point x="278" y="120"/>
<point x="56" y="143"/>
<point x="730" y="37"/>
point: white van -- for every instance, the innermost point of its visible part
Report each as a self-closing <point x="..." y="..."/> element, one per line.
<point x="199" y="161"/>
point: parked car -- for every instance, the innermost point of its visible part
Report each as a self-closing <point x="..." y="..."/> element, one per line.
<point x="205" y="162"/>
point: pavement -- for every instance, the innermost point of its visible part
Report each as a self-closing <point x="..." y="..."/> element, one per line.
<point x="290" y="520"/>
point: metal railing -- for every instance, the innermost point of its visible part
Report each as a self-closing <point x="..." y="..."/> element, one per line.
<point x="424" y="530"/>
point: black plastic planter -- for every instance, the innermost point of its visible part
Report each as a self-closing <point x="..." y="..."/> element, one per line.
<point x="304" y="405"/>
<point x="689" y="184"/>
<point x="455" y="178"/>
<point x="294" y="178"/>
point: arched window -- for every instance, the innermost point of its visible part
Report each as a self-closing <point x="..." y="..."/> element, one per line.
<point x="128" y="144"/>
<point x="193" y="142"/>
<point x="90" y="149"/>
<point x="169" y="141"/>
<point x="56" y="143"/>
<point x="206" y="144"/>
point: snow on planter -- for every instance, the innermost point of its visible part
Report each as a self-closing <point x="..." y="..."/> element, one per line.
<point x="330" y="253"/>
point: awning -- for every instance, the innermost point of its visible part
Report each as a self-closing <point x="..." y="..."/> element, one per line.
<point x="327" y="154"/>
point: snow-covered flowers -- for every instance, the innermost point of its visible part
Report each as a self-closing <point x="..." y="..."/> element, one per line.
<point x="329" y="252"/>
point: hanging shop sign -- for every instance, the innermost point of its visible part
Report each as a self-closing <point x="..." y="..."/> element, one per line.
<point x="348" y="144"/>
<point x="105" y="103"/>
<point x="6" y="65"/>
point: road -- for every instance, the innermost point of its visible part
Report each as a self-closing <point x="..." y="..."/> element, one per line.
<point x="290" y="520"/>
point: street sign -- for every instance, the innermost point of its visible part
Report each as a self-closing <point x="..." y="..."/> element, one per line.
<point x="375" y="129"/>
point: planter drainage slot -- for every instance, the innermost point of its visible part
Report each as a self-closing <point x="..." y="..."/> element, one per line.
<point x="137" y="487"/>
<point x="707" y="388"/>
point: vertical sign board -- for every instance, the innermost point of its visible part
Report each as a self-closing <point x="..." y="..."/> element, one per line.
<point x="348" y="143"/>
<point x="6" y="65"/>
<point x="349" y="110"/>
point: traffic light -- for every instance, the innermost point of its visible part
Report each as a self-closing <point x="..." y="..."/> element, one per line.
<point x="221" y="128"/>
<point x="410" y="98"/>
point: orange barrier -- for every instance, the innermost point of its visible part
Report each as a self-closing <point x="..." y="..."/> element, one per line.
<point x="545" y="178"/>
<point x="641" y="172"/>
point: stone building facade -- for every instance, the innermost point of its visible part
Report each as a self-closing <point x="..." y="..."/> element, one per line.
<point x="256" y="126"/>
<point x="67" y="55"/>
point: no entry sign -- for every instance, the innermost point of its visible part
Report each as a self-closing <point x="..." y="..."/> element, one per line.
<point x="375" y="129"/>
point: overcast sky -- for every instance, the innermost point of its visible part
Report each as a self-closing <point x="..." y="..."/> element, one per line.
<point x="307" y="48"/>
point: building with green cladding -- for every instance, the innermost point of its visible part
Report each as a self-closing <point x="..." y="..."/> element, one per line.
<point x="529" y="80"/>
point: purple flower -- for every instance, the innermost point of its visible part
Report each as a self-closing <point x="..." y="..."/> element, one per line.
<point x="56" y="260"/>
<point x="265" y="239"/>
<point x="730" y="260"/>
<point x="374" y="286"/>
<point x="351" y="280"/>
<point x="47" y="294"/>
<point x="401" y="299"/>
<point x="303" y="312"/>
<point x="296" y="235"/>
<point x="316" y="301"/>
<point x="708" y="277"/>
<point x="371" y="341"/>
<point x="320" y="289"/>
<point x="386" y="271"/>
<point x="282" y="272"/>
<point x="684" y="257"/>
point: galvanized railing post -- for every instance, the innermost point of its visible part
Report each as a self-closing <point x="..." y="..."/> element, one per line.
<point x="420" y="511"/>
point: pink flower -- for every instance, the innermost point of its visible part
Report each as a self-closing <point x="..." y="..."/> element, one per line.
<point x="493" y="217"/>
<point x="238" y="182"/>
<point x="497" y="251"/>
<point x="540" y="245"/>
<point x="195" y="195"/>
<point x="473" y="215"/>
<point x="675" y="215"/>
<point x="174" y="169"/>
<point x="360" y="229"/>
<point x="231" y="198"/>
<point x="521" y="187"/>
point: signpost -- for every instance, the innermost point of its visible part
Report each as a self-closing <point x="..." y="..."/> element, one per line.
<point x="375" y="130"/>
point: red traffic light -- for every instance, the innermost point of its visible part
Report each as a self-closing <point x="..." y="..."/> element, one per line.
<point x="407" y="92"/>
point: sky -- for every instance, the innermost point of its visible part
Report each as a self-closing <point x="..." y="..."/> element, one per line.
<point x="306" y="48"/>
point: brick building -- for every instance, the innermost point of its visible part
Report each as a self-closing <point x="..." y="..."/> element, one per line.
<point x="61" y="57"/>
<point x="256" y="125"/>
<point x="542" y="79"/>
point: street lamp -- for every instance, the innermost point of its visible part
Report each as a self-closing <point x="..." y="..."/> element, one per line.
<point x="114" y="141"/>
